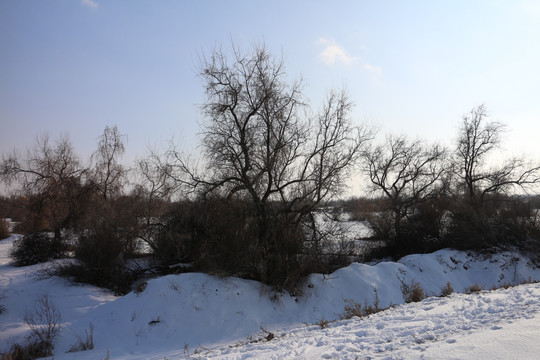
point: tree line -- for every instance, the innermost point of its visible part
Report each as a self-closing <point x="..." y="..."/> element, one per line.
<point x="251" y="204"/>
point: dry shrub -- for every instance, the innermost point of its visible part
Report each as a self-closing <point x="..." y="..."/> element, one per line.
<point x="474" y="288"/>
<point x="368" y="309"/>
<point x="83" y="344"/>
<point x="44" y="322"/>
<point x="140" y="286"/>
<point x="352" y="308"/>
<point x="529" y="280"/>
<point x="26" y="351"/>
<point x="447" y="290"/>
<point x="505" y="285"/>
<point x="323" y="323"/>
<point x="413" y="292"/>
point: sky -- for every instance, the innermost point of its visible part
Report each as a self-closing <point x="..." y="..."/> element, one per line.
<point x="411" y="67"/>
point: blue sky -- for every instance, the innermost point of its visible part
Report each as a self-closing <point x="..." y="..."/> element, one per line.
<point x="413" y="67"/>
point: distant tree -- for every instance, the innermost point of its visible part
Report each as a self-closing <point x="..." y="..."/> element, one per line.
<point x="484" y="212"/>
<point x="155" y="190"/>
<point x="49" y="178"/>
<point x="106" y="171"/>
<point x="406" y="173"/>
<point x="476" y="141"/>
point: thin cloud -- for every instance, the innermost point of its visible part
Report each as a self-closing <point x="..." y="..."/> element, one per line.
<point x="373" y="69"/>
<point x="90" y="3"/>
<point x="333" y="53"/>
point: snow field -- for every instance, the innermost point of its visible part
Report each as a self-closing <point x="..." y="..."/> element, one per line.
<point x="435" y="328"/>
<point x="177" y="314"/>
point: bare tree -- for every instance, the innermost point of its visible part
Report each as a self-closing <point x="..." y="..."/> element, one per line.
<point x="261" y="145"/>
<point x="155" y="189"/>
<point x="107" y="173"/>
<point x="406" y="173"/>
<point x="477" y="139"/>
<point x="49" y="177"/>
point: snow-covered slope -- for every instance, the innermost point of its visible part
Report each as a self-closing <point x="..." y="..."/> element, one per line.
<point x="177" y="314"/>
<point x="503" y="324"/>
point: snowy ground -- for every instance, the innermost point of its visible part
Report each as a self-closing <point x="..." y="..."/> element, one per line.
<point x="200" y="316"/>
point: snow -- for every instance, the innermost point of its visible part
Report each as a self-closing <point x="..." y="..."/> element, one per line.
<point x="456" y="327"/>
<point x="200" y="316"/>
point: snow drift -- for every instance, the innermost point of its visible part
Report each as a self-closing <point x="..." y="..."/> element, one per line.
<point x="196" y="310"/>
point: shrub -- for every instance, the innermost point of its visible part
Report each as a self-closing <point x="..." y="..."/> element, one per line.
<point x="505" y="285"/>
<point x="4" y="229"/>
<point x="27" y="351"/>
<point x="100" y="256"/>
<point x="447" y="290"/>
<point x="381" y="223"/>
<point x="174" y="238"/>
<point x="323" y="323"/>
<point x="44" y="322"/>
<point x="221" y="236"/>
<point x="413" y="292"/>
<point x="87" y="343"/>
<point x="351" y="310"/>
<point x="491" y="225"/>
<point x="474" y="288"/>
<point x="36" y="248"/>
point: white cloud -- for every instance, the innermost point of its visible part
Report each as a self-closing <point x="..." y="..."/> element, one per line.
<point x="90" y="3"/>
<point x="333" y="53"/>
<point x="373" y="69"/>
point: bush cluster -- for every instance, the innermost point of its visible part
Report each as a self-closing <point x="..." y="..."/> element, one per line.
<point x="36" y="248"/>
<point x="451" y="222"/>
<point x="221" y="236"/>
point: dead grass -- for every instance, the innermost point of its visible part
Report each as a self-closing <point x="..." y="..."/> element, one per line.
<point x="83" y="344"/>
<point x="474" y="288"/>
<point x="323" y="323"/>
<point x="413" y="292"/>
<point x="447" y="290"/>
<point x="353" y="308"/>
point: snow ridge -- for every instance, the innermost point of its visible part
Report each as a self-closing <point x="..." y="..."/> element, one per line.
<point x="177" y="314"/>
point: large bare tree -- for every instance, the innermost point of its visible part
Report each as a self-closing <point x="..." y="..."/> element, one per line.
<point x="477" y="139"/>
<point x="259" y="141"/>
<point x="261" y="144"/>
